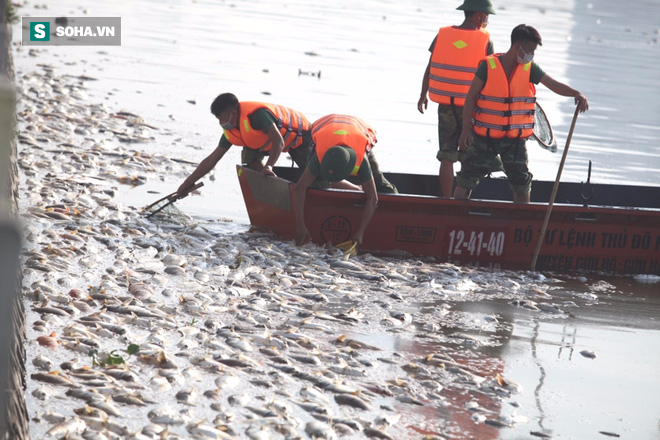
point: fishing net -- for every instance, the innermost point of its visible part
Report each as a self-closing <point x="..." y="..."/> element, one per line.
<point x="166" y="210"/>
<point x="543" y="131"/>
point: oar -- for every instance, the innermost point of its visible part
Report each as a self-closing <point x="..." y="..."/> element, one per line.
<point x="554" y="190"/>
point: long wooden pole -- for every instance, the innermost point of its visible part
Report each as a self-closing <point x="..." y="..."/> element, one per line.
<point x="554" y="190"/>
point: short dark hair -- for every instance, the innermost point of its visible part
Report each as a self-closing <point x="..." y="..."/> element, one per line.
<point x="224" y="101"/>
<point x="522" y="33"/>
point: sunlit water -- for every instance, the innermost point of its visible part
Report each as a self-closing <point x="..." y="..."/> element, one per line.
<point x="178" y="55"/>
<point x="371" y="56"/>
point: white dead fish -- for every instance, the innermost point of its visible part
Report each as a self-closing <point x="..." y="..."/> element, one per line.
<point x="75" y="425"/>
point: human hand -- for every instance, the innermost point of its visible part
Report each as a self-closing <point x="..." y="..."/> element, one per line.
<point x="302" y="235"/>
<point x="581" y="102"/>
<point x="268" y="171"/>
<point x="465" y="140"/>
<point x="423" y="103"/>
<point x="357" y="238"/>
<point x="184" y="189"/>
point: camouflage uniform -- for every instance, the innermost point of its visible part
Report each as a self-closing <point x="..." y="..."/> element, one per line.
<point x="450" y="121"/>
<point x="481" y="154"/>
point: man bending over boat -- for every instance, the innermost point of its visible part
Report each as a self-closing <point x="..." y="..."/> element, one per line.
<point x="263" y="130"/>
<point x="499" y="108"/>
<point x="341" y="145"/>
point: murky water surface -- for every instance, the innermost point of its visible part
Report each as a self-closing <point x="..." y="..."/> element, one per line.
<point x="368" y="58"/>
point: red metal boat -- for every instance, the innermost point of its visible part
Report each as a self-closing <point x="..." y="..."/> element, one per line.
<point x="593" y="227"/>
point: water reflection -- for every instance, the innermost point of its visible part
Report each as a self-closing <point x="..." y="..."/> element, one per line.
<point x="537" y="390"/>
<point x="563" y="393"/>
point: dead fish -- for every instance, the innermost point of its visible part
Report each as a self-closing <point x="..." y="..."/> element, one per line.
<point x="344" y="340"/>
<point x="588" y="354"/>
<point x="187" y="396"/>
<point x="43" y="363"/>
<point x="539" y="434"/>
<point x="87" y="413"/>
<point x="175" y="270"/>
<point x="240" y="400"/>
<point x="550" y="308"/>
<point x="75" y="425"/>
<point x="377" y="433"/>
<point x="120" y="374"/>
<point x="52" y="310"/>
<point x="104" y="405"/>
<point x="310" y="360"/>
<point x="352" y="400"/>
<point x="609" y="434"/>
<point x="130" y="399"/>
<point x="165" y="416"/>
<point x="141" y="291"/>
<point x="41" y="393"/>
<point x="201" y="430"/>
<point x="135" y="310"/>
<point x="312" y="408"/>
<point x="320" y="430"/>
<point x="174" y="260"/>
<point x="227" y="381"/>
<point x="404" y="398"/>
<point x="508" y="384"/>
<point x="496" y="423"/>
<point x="239" y="343"/>
<point x="54" y="379"/>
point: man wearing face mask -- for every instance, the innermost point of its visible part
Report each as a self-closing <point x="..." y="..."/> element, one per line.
<point x="500" y="109"/>
<point x="263" y="130"/>
<point x="455" y="54"/>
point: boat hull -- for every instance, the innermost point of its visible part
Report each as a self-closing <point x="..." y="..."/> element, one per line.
<point x="497" y="234"/>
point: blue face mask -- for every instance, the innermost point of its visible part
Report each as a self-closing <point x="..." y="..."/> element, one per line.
<point x="526" y="58"/>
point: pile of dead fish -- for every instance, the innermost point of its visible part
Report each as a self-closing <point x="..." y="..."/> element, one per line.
<point x="142" y="329"/>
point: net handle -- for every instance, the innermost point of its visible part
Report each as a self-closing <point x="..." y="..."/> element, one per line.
<point x="174" y="197"/>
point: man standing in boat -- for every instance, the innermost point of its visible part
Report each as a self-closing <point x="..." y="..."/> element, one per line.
<point x="500" y="109"/>
<point x="342" y="148"/>
<point x="455" y="54"/>
<point x="263" y="130"/>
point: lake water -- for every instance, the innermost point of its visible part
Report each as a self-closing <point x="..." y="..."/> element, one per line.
<point x="371" y="56"/>
<point x="177" y="56"/>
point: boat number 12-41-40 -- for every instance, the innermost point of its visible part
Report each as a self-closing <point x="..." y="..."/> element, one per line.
<point x="475" y="243"/>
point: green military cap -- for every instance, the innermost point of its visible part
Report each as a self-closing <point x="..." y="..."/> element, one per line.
<point x="338" y="163"/>
<point x="477" y="5"/>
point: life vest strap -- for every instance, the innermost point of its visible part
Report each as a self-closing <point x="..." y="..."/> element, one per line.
<point x="454" y="67"/>
<point x="502" y="127"/>
<point x="444" y="79"/>
<point x="506" y="113"/>
<point x="523" y="99"/>
<point x="449" y="94"/>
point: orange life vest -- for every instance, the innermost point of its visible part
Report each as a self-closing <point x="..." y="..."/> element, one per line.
<point x="454" y="60"/>
<point x="505" y="108"/>
<point x="290" y="123"/>
<point x="349" y="131"/>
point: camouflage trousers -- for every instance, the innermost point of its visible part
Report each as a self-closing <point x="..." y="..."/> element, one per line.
<point x="299" y="155"/>
<point x="383" y="186"/>
<point x="450" y="123"/>
<point x="481" y="154"/>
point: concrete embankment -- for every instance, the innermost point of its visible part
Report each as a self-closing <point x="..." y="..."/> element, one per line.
<point x="13" y="411"/>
